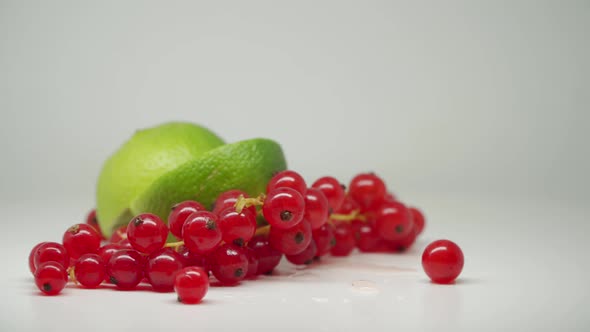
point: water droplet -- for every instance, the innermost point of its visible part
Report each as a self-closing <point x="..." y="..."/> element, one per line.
<point x="365" y="287"/>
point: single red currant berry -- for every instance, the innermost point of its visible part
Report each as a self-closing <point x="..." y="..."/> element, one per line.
<point x="147" y="233"/>
<point x="252" y="262"/>
<point x="442" y="261"/>
<point x="191" y="284"/>
<point x="51" y="277"/>
<point x="283" y="208"/>
<point x="324" y="239"/>
<point x="201" y="233"/>
<point x="405" y="242"/>
<point x="291" y="241"/>
<point x="90" y="270"/>
<point x="179" y="213"/>
<point x="125" y="269"/>
<point x="228" y="199"/>
<point x="237" y="228"/>
<point x="119" y="235"/>
<point x="344" y="240"/>
<point x="161" y="269"/>
<point x="332" y="189"/>
<point x="367" y="238"/>
<point x="305" y="257"/>
<point x="32" y="257"/>
<point x="81" y="239"/>
<point x="316" y="208"/>
<point x="287" y="179"/>
<point x="52" y="252"/>
<point x="229" y="264"/>
<point x="268" y="257"/>
<point x="367" y="189"/>
<point x="418" y="219"/>
<point x="92" y="220"/>
<point x="192" y="259"/>
<point x="393" y="221"/>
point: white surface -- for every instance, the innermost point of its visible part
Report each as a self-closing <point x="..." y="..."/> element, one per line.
<point x="525" y="269"/>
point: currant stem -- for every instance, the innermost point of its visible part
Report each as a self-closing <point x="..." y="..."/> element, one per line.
<point x="72" y="275"/>
<point x="174" y="245"/>
<point x="244" y="202"/>
<point x="262" y="230"/>
<point x="353" y="215"/>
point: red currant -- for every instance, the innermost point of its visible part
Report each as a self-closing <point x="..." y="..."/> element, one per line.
<point x="229" y="264"/>
<point x="51" y="277"/>
<point x="418" y="219"/>
<point x="283" y="208"/>
<point x="237" y="228"/>
<point x="52" y="252"/>
<point x="125" y="269"/>
<point x="252" y="262"/>
<point x="90" y="270"/>
<point x="344" y="240"/>
<point x="147" y="233"/>
<point x="201" y="233"/>
<point x="367" y="189"/>
<point x="93" y="221"/>
<point x="161" y="269"/>
<point x="324" y="239"/>
<point x="291" y="241"/>
<point x="393" y="221"/>
<point x="287" y="179"/>
<point x="179" y="213"/>
<point x="316" y="208"/>
<point x="228" y="199"/>
<point x="32" y="257"/>
<point x="332" y="189"/>
<point x="119" y="235"/>
<point x="348" y="205"/>
<point x="81" y="239"/>
<point x="442" y="261"/>
<point x="105" y="252"/>
<point x="305" y="257"/>
<point x="405" y="242"/>
<point x="367" y="238"/>
<point x="268" y="257"/>
<point x="192" y="259"/>
<point x="191" y="284"/>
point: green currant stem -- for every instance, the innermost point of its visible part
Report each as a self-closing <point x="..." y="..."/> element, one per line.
<point x="353" y="215"/>
<point x="72" y="275"/>
<point x="174" y="245"/>
<point x="263" y="230"/>
<point x="244" y="202"/>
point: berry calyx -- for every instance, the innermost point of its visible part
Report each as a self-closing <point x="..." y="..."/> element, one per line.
<point x="191" y="284"/>
<point x="81" y="239"/>
<point x="125" y="269"/>
<point x="442" y="261"/>
<point x="287" y="179"/>
<point x="51" y="277"/>
<point x="147" y="233"/>
<point x="229" y="264"/>
<point x="179" y="213"/>
<point x="90" y="270"/>
<point x="332" y="189"/>
<point x="201" y="233"/>
<point x="161" y="269"/>
<point x="284" y="208"/>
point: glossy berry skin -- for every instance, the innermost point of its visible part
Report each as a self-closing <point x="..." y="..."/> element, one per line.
<point x="332" y="189"/>
<point x="119" y="235"/>
<point x="345" y="241"/>
<point x="316" y="208"/>
<point x="147" y="233"/>
<point x="229" y="264"/>
<point x="393" y="221"/>
<point x="192" y="259"/>
<point x="367" y="238"/>
<point x="179" y="213"/>
<point x="252" y="262"/>
<point x="92" y="220"/>
<point x="228" y="199"/>
<point x="237" y="228"/>
<point x="291" y="241"/>
<point x="51" y="278"/>
<point x="32" y="266"/>
<point x="191" y="284"/>
<point x="52" y="252"/>
<point x="268" y="257"/>
<point x="405" y="242"/>
<point x="125" y="269"/>
<point x="367" y="189"/>
<point x="348" y="205"/>
<point x="105" y="252"/>
<point x="442" y="261"/>
<point x="324" y="239"/>
<point x="161" y="269"/>
<point x="305" y="257"/>
<point x="201" y="233"/>
<point x="283" y="208"/>
<point x="287" y="179"/>
<point x="90" y="270"/>
<point x="81" y="239"/>
<point x="418" y="219"/>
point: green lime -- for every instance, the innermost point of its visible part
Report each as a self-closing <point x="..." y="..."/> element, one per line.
<point x="147" y="156"/>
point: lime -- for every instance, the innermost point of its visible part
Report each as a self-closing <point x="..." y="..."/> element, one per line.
<point x="147" y="156"/>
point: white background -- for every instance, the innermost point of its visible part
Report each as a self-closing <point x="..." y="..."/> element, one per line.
<point x="476" y="111"/>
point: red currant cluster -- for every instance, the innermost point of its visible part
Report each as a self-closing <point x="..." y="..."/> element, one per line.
<point x="239" y="237"/>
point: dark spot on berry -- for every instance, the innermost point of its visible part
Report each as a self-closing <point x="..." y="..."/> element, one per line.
<point x="330" y="210"/>
<point x="332" y="242"/>
<point x="211" y="224"/>
<point x="317" y="258"/>
<point x="74" y="229"/>
<point x="179" y="299"/>
<point x="174" y="207"/>
<point x="95" y="220"/>
<point x="268" y="273"/>
<point x="286" y="215"/>
<point x="299" y="237"/>
<point x="212" y="206"/>
<point x="275" y="172"/>
<point x="137" y="221"/>
<point x="47" y="287"/>
<point x="239" y="272"/>
<point x="399" y="228"/>
<point x="239" y="242"/>
<point x="401" y="248"/>
<point x="343" y="187"/>
<point x="113" y="280"/>
<point x="309" y="261"/>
